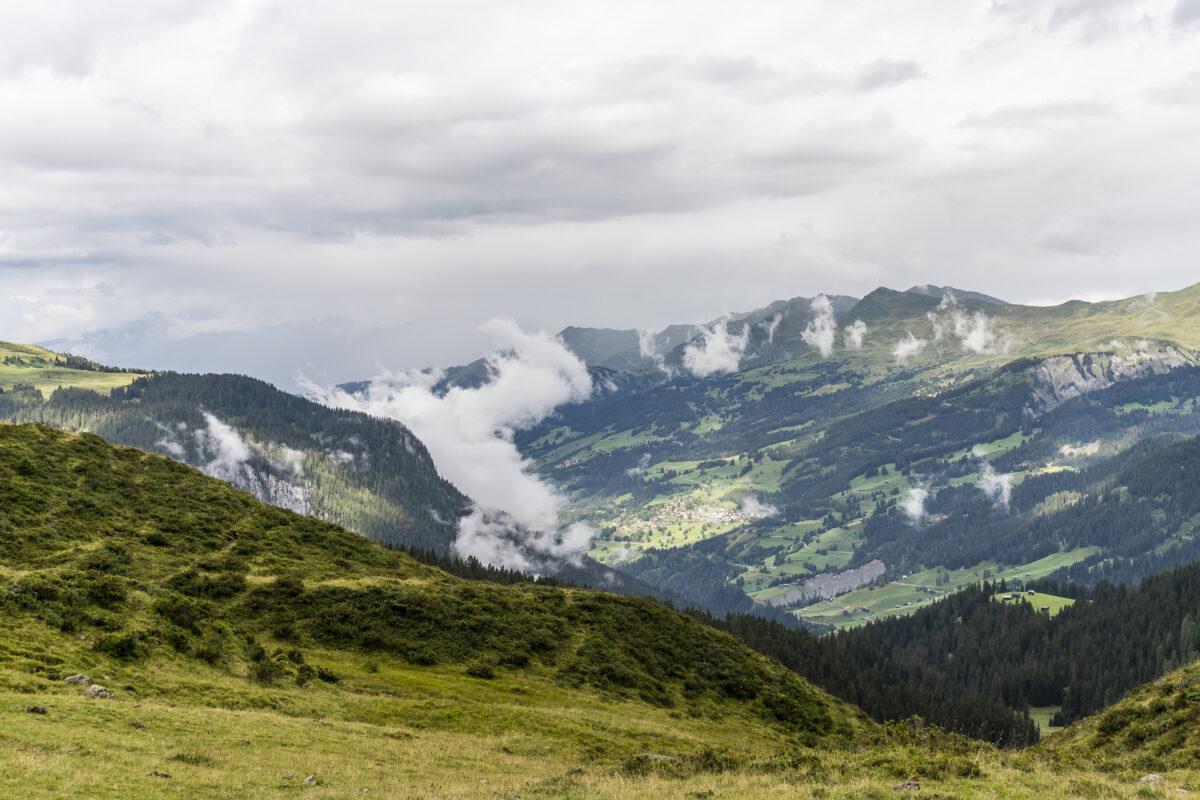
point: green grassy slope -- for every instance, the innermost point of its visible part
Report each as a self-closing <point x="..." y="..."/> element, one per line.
<point x="44" y="370"/>
<point x="183" y="590"/>
<point x="364" y="473"/>
<point x="249" y="648"/>
<point x="1153" y="729"/>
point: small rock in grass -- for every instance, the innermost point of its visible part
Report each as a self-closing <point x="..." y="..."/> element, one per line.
<point x="79" y="679"/>
<point x="1151" y="778"/>
<point x="36" y="710"/>
<point x="98" y="692"/>
<point x="311" y="780"/>
<point x="137" y="725"/>
<point x="907" y="787"/>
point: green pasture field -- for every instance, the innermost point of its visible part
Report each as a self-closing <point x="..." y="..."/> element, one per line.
<point x="882" y="601"/>
<point x="46" y="371"/>
<point x="1038" y="600"/>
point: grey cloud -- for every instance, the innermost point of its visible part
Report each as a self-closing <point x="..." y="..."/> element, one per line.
<point x="249" y="169"/>
<point x="1074" y="235"/>
<point x="1039" y="114"/>
<point x="1186" y="12"/>
<point x="469" y="432"/>
<point x="883" y="74"/>
<point x="731" y="69"/>
<point x="1069" y="10"/>
<point x="70" y="38"/>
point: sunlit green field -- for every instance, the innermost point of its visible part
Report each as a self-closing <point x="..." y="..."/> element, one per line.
<point x="46" y="371"/>
<point x="424" y="740"/>
<point x="1039" y="600"/>
<point x="908" y="594"/>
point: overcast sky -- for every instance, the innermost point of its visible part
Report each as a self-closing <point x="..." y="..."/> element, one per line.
<point x="181" y="168"/>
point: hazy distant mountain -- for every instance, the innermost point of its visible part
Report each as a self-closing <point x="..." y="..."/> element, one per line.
<point x="930" y="290"/>
<point x="944" y="440"/>
<point x="325" y="351"/>
<point x="622" y="350"/>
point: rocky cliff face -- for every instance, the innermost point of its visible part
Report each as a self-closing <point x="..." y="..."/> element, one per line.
<point x="829" y="585"/>
<point x="1062" y="378"/>
<point x="294" y="496"/>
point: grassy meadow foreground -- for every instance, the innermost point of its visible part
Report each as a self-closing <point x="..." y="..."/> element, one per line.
<point x="250" y="651"/>
<point x="400" y="734"/>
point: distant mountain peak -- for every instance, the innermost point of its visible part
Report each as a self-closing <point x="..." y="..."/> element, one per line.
<point x="929" y="290"/>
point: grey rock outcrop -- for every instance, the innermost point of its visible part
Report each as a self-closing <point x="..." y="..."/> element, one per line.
<point x="98" y="692"/>
<point x="269" y="488"/>
<point x="1059" y="379"/>
<point x="829" y="585"/>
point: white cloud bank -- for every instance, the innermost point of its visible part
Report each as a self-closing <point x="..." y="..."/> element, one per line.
<point x="913" y="506"/>
<point x="716" y="350"/>
<point x="997" y="486"/>
<point x="974" y="332"/>
<point x="223" y="447"/>
<point x="642" y="464"/>
<point x="469" y="433"/>
<point x="855" y="334"/>
<point x="220" y="450"/>
<point x="244" y="165"/>
<point x="820" y="331"/>
<point x="907" y="347"/>
<point x="754" y="508"/>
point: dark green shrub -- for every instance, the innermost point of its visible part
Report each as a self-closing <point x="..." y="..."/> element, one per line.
<point x="305" y="673"/>
<point x="220" y="585"/>
<point x="125" y="646"/>
<point x="107" y="622"/>
<point x="482" y="670"/>
<point x="223" y="563"/>
<point x="180" y="612"/>
<point x="110" y="558"/>
<point x="212" y="649"/>
<point x="267" y="671"/>
<point x="104" y="590"/>
<point x="423" y="657"/>
<point x="285" y="631"/>
<point x="516" y="659"/>
<point x="32" y="590"/>
<point x="179" y="641"/>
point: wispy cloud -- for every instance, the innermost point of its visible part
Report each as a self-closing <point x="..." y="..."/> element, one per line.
<point x="640" y="467"/>
<point x="716" y="349"/>
<point x="469" y="433"/>
<point x="855" y="334"/>
<point x="882" y="74"/>
<point x="907" y="348"/>
<point x="975" y="332"/>
<point x="913" y="504"/>
<point x="997" y="486"/>
<point x="753" y="508"/>
<point x="819" y="332"/>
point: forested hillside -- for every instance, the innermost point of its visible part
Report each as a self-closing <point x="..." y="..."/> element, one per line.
<point x="368" y="474"/>
<point x="143" y="558"/>
<point x="962" y="660"/>
<point x="991" y="446"/>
